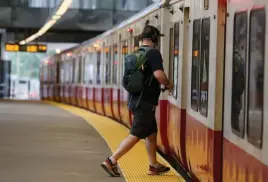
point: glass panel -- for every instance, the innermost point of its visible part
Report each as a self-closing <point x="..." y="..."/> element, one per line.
<point x="76" y="62"/>
<point x="72" y="68"/>
<point x="89" y="68"/>
<point x="176" y="58"/>
<point x="108" y="65"/>
<point x="80" y="59"/>
<point x="204" y="67"/>
<point x="256" y="77"/>
<point x="195" y="65"/>
<point x="98" y="66"/>
<point x="159" y="40"/>
<point x="115" y="65"/>
<point x="136" y="42"/>
<point x="124" y="54"/>
<point x="239" y="71"/>
<point x="171" y="53"/>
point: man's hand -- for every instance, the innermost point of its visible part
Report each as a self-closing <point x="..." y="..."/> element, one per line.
<point x="170" y="88"/>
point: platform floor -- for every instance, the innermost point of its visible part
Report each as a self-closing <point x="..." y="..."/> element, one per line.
<point x="41" y="142"/>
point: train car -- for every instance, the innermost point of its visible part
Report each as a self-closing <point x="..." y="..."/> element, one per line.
<point x="214" y="124"/>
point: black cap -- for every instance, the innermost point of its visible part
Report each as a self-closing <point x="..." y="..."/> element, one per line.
<point x="151" y="32"/>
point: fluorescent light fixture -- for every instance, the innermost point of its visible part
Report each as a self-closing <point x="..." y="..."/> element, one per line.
<point x="64" y="6"/>
<point x="56" y="17"/>
<point x="47" y="26"/>
<point x="23" y="42"/>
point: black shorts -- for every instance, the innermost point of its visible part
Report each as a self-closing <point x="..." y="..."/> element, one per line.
<point x="144" y="122"/>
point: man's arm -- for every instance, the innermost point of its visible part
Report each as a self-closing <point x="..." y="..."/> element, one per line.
<point x="155" y="60"/>
<point x="161" y="78"/>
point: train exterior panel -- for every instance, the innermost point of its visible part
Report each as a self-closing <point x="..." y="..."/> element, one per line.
<point x="245" y="145"/>
<point x="214" y="124"/>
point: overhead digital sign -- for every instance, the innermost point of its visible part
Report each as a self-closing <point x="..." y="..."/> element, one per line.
<point x="10" y="47"/>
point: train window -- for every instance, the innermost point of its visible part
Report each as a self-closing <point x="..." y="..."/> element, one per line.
<point x="83" y="65"/>
<point x="204" y="67"/>
<point x="108" y="65"/>
<point x="69" y="71"/>
<point x="98" y="54"/>
<point x="80" y="72"/>
<point x="195" y="64"/>
<point x="159" y="40"/>
<point x="71" y="67"/>
<point x="77" y="69"/>
<point x="256" y="77"/>
<point x="136" y="42"/>
<point x="90" y="68"/>
<point x="61" y="72"/>
<point x="115" y="64"/>
<point x="171" y="53"/>
<point x="238" y="83"/>
<point x="176" y="58"/>
<point x="124" y="54"/>
<point x="65" y="73"/>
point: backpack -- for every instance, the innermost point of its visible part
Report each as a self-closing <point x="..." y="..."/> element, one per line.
<point x="133" y="78"/>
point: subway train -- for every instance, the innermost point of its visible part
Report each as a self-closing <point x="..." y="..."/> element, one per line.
<point x="214" y="125"/>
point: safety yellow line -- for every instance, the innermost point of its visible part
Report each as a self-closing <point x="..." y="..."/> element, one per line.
<point x="134" y="165"/>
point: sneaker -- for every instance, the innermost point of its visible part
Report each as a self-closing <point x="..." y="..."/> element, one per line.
<point x="110" y="168"/>
<point x="160" y="169"/>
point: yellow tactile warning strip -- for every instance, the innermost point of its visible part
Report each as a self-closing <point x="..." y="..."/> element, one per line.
<point x="134" y="165"/>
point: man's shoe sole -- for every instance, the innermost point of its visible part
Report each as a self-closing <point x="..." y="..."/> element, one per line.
<point x="108" y="171"/>
<point x="155" y="173"/>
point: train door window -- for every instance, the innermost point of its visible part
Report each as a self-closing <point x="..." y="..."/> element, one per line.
<point x="124" y="54"/>
<point x="171" y="53"/>
<point x="176" y="58"/>
<point x="75" y="61"/>
<point x="83" y="68"/>
<point x="58" y="72"/>
<point x="256" y="77"/>
<point x="66" y="73"/>
<point x="71" y="69"/>
<point x="89" y="68"/>
<point x="239" y="72"/>
<point x="77" y="69"/>
<point x="204" y="66"/>
<point x="98" y="52"/>
<point x="108" y="65"/>
<point x="159" y="40"/>
<point x="195" y="65"/>
<point x="86" y="76"/>
<point x="81" y="71"/>
<point x="115" y="65"/>
<point x="136" y="42"/>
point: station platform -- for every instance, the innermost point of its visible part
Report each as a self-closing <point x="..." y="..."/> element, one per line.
<point x="48" y="141"/>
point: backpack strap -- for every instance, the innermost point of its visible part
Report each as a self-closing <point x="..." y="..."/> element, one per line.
<point x="144" y="49"/>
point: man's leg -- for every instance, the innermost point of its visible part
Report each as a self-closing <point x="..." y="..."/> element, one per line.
<point x="124" y="147"/>
<point x="151" y="146"/>
<point x="155" y="167"/>
<point x="110" y="164"/>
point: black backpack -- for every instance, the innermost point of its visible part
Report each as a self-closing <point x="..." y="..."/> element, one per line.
<point x="133" y="78"/>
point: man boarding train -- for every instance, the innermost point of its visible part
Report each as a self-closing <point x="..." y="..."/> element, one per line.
<point x="143" y="76"/>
